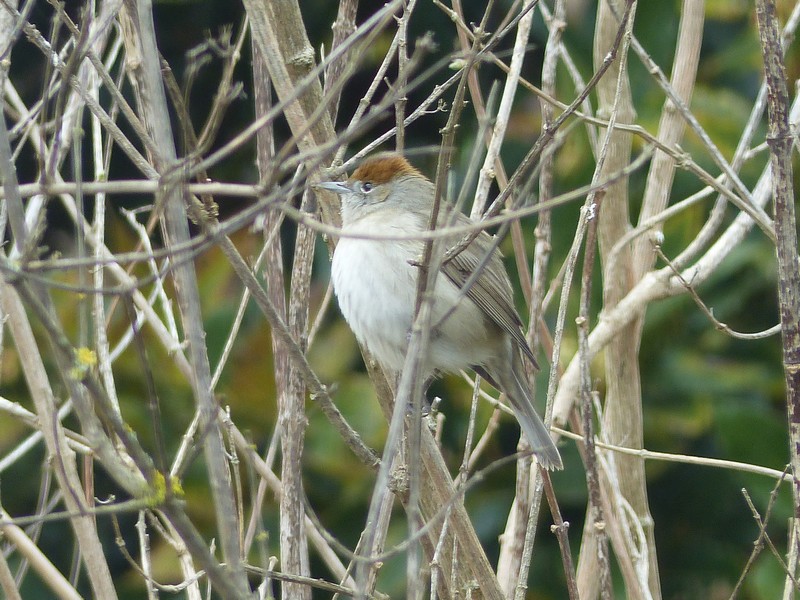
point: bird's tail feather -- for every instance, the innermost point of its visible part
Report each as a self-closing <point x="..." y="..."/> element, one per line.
<point x="532" y="426"/>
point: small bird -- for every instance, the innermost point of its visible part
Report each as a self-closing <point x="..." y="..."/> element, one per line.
<point x="375" y="281"/>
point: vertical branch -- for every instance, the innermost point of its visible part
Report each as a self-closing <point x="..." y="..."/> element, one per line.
<point x="343" y="27"/>
<point x="292" y="418"/>
<point x="594" y="534"/>
<point x="410" y="386"/>
<point x="779" y="140"/>
<point x="560" y="528"/>
<point x="622" y="418"/>
<point x="670" y="127"/>
<point x="274" y="276"/>
<point x="290" y="389"/>
<point x="147" y="76"/>
<point x="543" y="232"/>
<point x="101" y="342"/>
<point x="289" y="58"/>
<point x="402" y="74"/>
<point x="487" y="172"/>
<point x="791" y="561"/>
<point x="525" y="510"/>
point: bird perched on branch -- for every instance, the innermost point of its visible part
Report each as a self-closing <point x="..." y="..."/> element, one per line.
<point x="474" y="323"/>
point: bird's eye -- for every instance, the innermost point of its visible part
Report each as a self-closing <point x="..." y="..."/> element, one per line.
<point x="367" y="187"/>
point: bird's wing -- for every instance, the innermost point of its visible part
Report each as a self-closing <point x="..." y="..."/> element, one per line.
<point x="491" y="291"/>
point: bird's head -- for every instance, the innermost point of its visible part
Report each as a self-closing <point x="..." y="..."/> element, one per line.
<point x="383" y="181"/>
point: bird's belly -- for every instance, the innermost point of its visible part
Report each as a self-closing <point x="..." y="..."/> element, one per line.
<point x="376" y="290"/>
<point x="376" y="286"/>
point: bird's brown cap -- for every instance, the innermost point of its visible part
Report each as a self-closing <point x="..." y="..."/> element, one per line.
<point x="384" y="167"/>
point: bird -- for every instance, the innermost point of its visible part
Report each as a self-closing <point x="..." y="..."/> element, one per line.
<point x="375" y="282"/>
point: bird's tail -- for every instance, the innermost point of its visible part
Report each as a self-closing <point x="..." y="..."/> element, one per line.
<point x="516" y="390"/>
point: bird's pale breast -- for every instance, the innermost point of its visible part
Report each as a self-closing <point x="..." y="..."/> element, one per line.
<point x="376" y="285"/>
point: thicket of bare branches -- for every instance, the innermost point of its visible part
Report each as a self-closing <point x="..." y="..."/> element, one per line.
<point x="68" y="317"/>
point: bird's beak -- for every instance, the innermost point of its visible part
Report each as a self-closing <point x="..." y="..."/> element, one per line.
<point x="336" y="187"/>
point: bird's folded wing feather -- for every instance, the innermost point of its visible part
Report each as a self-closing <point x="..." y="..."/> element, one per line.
<point x="492" y="289"/>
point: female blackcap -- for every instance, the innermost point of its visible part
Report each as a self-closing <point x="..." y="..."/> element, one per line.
<point x="375" y="281"/>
